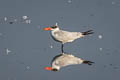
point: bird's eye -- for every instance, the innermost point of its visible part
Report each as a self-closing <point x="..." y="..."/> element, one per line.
<point x="54" y="27"/>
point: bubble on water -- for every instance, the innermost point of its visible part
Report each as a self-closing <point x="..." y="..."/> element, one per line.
<point x="24" y="17"/>
<point x="100" y="49"/>
<point x="27" y="67"/>
<point x="5" y="18"/>
<point x="51" y="46"/>
<point x="7" y="51"/>
<point x="100" y="36"/>
<point x="27" y="21"/>
<point x="15" y="20"/>
<point x="56" y="24"/>
<point x="69" y="1"/>
<point x="113" y="2"/>
<point x="116" y="3"/>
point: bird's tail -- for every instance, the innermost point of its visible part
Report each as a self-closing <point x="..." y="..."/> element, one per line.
<point x="88" y="62"/>
<point x="87" y="32"/>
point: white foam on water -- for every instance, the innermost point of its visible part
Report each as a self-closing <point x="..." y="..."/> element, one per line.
<point x="24" y="17"/>
<point x="27" y="67"/>
<point x="113" y="2"/>
<point x="27" y="21"/>
<point x="56" y="24"/>
<point x="100" y="49"/>
<point x="51" y="46"/>
<point x="8" y="51"/>
<point x="5" y="18"/>
<point x="69" y="1"/>
<point x="100" y="36"/>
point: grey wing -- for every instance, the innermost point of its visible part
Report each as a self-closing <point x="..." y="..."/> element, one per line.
<point x="54" y="58"/>
<point x="66" y="36"/>
<point x="65" y="61"/>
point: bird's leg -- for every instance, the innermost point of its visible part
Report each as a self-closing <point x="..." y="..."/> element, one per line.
<point x="62" y="48"/>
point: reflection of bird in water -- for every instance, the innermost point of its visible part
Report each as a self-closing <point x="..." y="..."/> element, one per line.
<point x="63" y="60"/>
<point x="66" y="36"/>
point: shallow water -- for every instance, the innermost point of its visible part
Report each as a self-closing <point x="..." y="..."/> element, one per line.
<point x="25" y="49"/>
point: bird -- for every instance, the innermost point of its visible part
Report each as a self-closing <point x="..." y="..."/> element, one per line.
<point x="63" y="36"/>
<point x="63" y="60"/>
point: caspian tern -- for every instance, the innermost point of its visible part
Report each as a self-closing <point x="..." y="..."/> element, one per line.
<point x="65" y="36"/>
<point x="63" y="60"/>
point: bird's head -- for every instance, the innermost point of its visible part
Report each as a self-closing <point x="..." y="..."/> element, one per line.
<point x="51" y="28"/>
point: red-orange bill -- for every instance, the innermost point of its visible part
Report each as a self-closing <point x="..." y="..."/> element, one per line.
<point x="48" y="68"/>
<point x="47" y="29"/>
